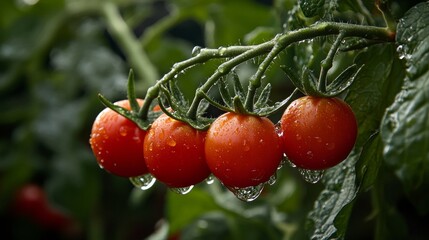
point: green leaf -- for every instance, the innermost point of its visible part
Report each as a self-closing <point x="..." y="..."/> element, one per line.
<point x="369" y="163"/>
<point x="405" y="127"/>
<point x="311" y="8"/>
<point x="224" y="93"/>
<point x="263" y="97"/>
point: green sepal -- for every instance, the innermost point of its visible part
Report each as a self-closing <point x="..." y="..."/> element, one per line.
<point x="294" y="78"/>
<point x="239" y="106"/>
<point x="309" y="82"/>
<point x="132" y="93"/>
<point x="343" y="81"/>
<point x="143" y="124"/>
<point x="214" y="103"/>
<point x="179" y="113"/>
<point x="238" y="88"/>
<point x="269" y="110"/>
<point x="224" y="93"/>
<point x="263" y="97"/>
<point x="176" y="95"/>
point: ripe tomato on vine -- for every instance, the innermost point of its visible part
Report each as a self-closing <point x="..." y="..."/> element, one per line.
<point x="117" y="143"/>
<point x="318" y="133"/>
<point x="242" y="150"/>
<point x="174" y="153"/>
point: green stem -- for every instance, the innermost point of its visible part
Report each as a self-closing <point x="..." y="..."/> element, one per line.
<point x="284" y="40"/>
<point x="327" y="62"/>
<point x="224" y="69"/>
<point x="255" y="80"/>
<point x="131" y="46"/>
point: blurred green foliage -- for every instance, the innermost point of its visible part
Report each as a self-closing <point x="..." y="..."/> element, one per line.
<point x="57" y="55"/>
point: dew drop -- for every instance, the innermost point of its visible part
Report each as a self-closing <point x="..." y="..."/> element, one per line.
<point x="182" y="190"/>
<point x="278" y="129"/>
<point x="123" y="131"/>
<point x="311" y="176"/>
<point x="272" y="179"/>
<point x="143" y="182"/>
<point x="196" y="50"/>
<point x="222" y="51"/>
<point x="171" y="142"/>
<point x="210" y="180"/>
<point x="247" y="194"/>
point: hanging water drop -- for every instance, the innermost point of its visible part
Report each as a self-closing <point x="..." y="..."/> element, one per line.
<point x="144" y="182"/>
<point x="311" y="176"/>
<point x="182" y="190"/>
<point x="272" y="179"/>
<point x="196" y="50"/>
<point x="247" y="194"/>
<point x="278" y="129"/>
<point x="210" y="180"/>
<point x="222" y="51"/>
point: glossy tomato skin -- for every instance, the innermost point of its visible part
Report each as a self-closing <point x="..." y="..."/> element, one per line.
<point x="174" y="153"/>
<point x="242" y="150"/>
<point x="318" y="133"/>
<point x="117" y="143"/>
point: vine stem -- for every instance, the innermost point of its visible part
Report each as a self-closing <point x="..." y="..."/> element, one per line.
<point x="240" y="54"/>
<point x="327" y="62"/>
<point x="255" y="80"/>
<point x="130" y="44"/>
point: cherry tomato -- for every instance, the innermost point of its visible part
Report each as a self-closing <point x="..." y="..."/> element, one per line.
<point x="31" y="201"/>
<point x="318" y="133"/>
<point x="174" y="153"/>
<point x="242" y="150"/>
<point x="117" y="143"/>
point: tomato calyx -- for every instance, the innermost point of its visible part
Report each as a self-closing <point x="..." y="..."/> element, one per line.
<point x="139" y="115"/>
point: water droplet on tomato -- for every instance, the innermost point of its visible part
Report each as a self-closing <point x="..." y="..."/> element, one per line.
<point x="247" y="194"/>
<point x="278" y="129"/>
<point x="143" y="182"/>
<point x="311" y="176"/>
<point x="182" y="190"/>
<point x="210" y="180"/>
<point x="123" y="131"/>
<point x="171" y="142"/>
<point x="330" y="146"/>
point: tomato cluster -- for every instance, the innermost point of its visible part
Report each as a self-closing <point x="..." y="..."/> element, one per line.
<point x="240" y="150"/>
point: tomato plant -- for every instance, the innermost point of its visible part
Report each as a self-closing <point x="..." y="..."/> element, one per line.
<point x="195" y="61"/>
<point x="242" y="150"/>
<point x="318" y="133"/>
<point x="117" y="143"/>
<point x="174" y="153"/>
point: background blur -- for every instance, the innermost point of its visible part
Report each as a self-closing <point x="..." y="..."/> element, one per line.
<point x="57" y="55"/>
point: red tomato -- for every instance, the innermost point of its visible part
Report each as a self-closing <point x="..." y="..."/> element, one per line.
<point x="174" y="153"/>
<point x="318" y="133"/>
<point x="31" y="201"/>
<point x="117" y="143"/>
<point x="242" y="150"/>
